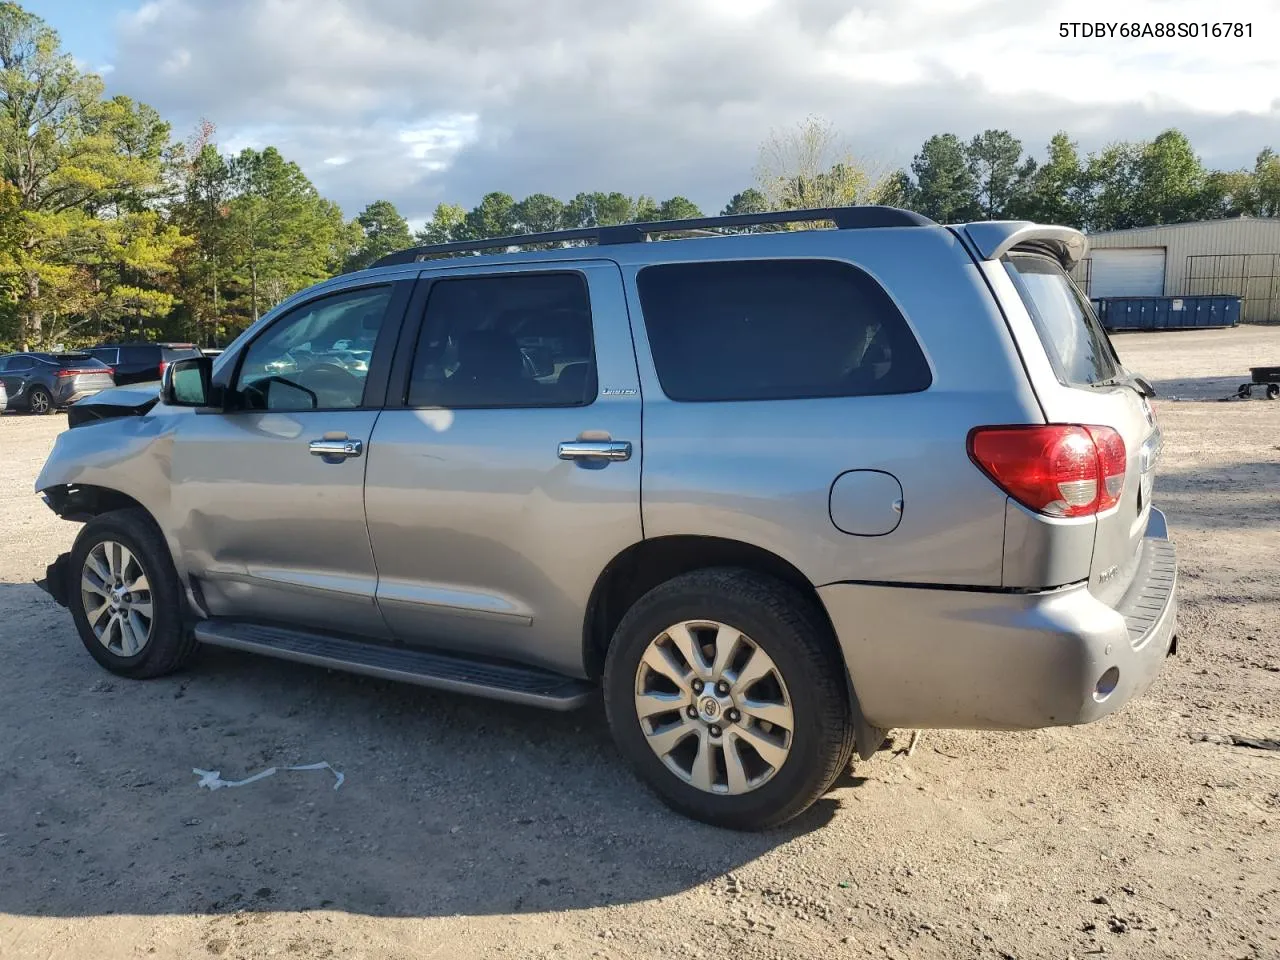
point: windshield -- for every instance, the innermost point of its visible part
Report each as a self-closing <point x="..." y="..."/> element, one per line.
<point x="1077" y="345"/>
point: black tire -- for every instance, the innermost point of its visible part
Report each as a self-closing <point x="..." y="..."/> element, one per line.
<point x="170" y="644"/>
<point x="785" y="624"/>
<point x="1273" y="391"/>
<point x="39" y="402"/>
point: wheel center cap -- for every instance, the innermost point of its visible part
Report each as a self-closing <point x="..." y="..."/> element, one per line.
<point x="710" y="709"/>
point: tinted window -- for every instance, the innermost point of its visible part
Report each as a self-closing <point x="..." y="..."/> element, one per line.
<point x="170" y="354"/>
<point x="20" y="364"/>
<point x="316" y="357"/>
<point x="522" y="340"/>
<point x="106" y="354"/>
<point x="1073" y="338"/>
<point x="776" y="330"/>
<point x="140" y="355"/>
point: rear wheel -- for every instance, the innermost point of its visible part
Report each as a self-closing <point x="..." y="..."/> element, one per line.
<point x="39" y="402"/>
<point x="1273" y="391"/>
<point x="125" y="596"/>
<point x="725" y="693"/>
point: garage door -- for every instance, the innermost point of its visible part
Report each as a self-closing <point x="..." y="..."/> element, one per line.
<point x="1127" y="272"/>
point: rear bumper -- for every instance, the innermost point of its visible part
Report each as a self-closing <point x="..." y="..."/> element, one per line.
<point x="922" y="657"/>
<point x="66" y="396"/>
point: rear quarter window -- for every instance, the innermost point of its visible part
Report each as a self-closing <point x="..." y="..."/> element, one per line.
<point x="1077" y="346"/>
<point x="776" y="330"/>
<point x="143" y="355"/>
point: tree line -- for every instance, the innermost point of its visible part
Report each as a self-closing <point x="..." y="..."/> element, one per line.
<point x="111" y="228"/>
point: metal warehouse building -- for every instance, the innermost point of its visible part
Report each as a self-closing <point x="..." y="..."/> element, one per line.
<point x="1239" y="257"/>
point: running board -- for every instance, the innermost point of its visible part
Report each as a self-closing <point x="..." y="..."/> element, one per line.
<point x="441" y="671"/>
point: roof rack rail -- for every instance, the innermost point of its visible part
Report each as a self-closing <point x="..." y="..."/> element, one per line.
<point x="845" y="218"/>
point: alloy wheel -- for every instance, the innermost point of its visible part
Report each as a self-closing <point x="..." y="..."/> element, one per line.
<point x="116" y="596"/>
<point x="714" y="707"/>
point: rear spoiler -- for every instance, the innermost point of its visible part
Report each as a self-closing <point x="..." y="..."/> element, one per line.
<point x="992" y="239"/>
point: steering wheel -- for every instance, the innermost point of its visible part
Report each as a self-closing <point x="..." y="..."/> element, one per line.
<point x="334" y="386"/>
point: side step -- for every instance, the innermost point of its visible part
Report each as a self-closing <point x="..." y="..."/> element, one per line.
<point x="442" y="671"/>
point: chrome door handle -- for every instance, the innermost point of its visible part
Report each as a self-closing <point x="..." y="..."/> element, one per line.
<point x="594" y="450"/>
<point x="337" y="449"/>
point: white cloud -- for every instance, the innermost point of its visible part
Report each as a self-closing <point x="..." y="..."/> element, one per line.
<point x="428" y="100"/>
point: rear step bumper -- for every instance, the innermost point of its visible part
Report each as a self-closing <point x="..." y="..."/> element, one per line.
<point x="498" y="681"/>
<point x="921" y="657"/>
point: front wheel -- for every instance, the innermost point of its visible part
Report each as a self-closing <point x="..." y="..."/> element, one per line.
<point x="726" y="694"/>
<point x="125" y="596"/>
<point x="39" y="402"/>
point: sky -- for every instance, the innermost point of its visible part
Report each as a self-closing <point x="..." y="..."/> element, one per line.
<point x="423" y="101"/>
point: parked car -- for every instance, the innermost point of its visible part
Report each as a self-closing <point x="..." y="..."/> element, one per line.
<point x="142" y="362"/>
<point x="774" y="492"/>
<point x="43" y="382"/>
<point x="4" y="398"/>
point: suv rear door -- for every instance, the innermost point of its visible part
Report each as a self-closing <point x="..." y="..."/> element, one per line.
<point x="501" y="482"/>
<point x="1078" y="378"/>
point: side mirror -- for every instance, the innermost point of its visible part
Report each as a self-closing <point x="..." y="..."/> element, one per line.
<point x="187" y="383"/>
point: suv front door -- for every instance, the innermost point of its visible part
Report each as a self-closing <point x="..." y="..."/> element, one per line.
<point x="268" y="494"/>
<point x="501" y="481"/>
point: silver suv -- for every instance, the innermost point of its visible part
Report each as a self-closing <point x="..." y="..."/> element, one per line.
<point x="775" y="492"/>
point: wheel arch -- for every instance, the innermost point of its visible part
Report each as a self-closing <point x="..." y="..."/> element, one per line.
<point x="644" y="565"/>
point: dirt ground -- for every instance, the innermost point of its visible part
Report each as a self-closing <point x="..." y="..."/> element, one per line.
<point x="472" y="829"/>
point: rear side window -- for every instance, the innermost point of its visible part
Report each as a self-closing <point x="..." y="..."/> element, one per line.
<point x="170" y="354"/>
<point x="519" y="340"/>
<point x="776" y="330"/>
<point x="1073" y="338"/>
<point x="106" y="354"/>
<point x="142" y="355"/>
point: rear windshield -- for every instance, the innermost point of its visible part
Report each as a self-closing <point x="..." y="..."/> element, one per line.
<point x="77" y="360"/>
<point x="1077" y="345"/>
<point x="178" y="353"/>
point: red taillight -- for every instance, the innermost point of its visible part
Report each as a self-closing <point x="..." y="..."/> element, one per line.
<point x="74" y="372"/>
<point x="1062" y="470"/>
<point x="163" y="365"/>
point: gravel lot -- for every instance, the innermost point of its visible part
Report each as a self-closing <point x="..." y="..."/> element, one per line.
<point x="473" y="829"/>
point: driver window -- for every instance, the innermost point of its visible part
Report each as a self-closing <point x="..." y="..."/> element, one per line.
<point x="316" y="357"/>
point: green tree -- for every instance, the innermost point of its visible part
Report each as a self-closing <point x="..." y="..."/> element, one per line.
<point x="678" y="208"/>
<point x="1170" y="180"/>
<point x="1053" y="191"/>
<point x="380" y="231"/>
<point x="1111" y="188"/>
<point x="286" y="235"/>
<point x="1228" y="193"/>
<point x="85" y="172"/>
<point x="204" y="190"/>
<point x="494" y="216"/>
<point x="600" y="210"/>
<point x="444" y="226"/>
<point x="895" y="190"/>
<point x="946" y="189"/>
<point x="1266" y="183"/>
<point x="749" y="200"/>
<point x="994" y="162"/>
<point x="539" y="213"/>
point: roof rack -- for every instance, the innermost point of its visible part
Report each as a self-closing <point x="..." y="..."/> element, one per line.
<point x="845" y="218"/>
